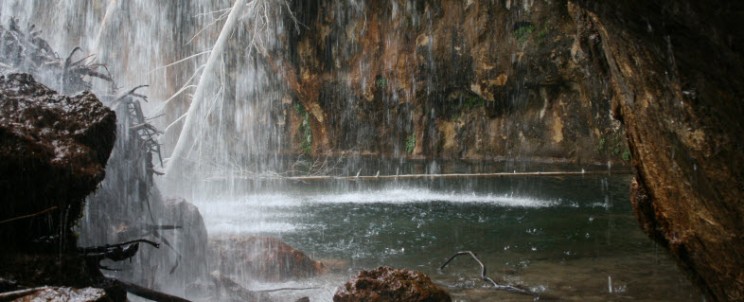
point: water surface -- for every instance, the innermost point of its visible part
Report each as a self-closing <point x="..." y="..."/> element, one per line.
<point x="571" y="237"/>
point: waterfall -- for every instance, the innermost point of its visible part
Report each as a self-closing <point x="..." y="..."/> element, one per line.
<point x="235" y="123"/>
<point x="240" y="106"/>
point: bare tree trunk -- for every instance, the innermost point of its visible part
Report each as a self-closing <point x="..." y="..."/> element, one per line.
<point x="187" y="137"/>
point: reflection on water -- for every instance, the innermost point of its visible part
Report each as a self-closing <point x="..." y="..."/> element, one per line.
<point x="572" y="237"/>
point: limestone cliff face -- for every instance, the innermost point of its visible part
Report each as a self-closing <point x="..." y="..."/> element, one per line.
<point x="676" y="81"/>
<point x="492" y="79"/>
<point x="447" y="79"/>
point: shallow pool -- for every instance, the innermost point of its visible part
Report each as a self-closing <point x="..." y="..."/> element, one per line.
<point x="573" y="237"/>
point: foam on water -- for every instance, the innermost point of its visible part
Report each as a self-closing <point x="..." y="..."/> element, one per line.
<point x="389" y="196"/>
<point x="419" y="195"/>
<point x="276" y="213"/>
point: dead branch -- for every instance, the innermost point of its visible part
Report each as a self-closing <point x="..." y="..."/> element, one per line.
<point x="17" y="294"/>
<point x="68" y="61"/>
<point x="484" y="277"/>
<point x="114" y="252"/>
<point x="29" y="216"/>
<point x="156" y="172"/>
<point x="133" y="92"/>
<point x="78" y="62"/>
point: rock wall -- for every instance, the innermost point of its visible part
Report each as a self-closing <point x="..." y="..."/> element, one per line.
<point x="446" y="79"/>
<point x="676" y="81"/>
<point x="544" y="79"/>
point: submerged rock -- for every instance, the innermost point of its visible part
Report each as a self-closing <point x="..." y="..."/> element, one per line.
<point x="389" y="284"/>
<point x="262" y="258"/>
<point x="190" y="240"/>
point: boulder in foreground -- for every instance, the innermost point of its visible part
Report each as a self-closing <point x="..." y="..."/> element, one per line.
<point x="389" y="284"/>
<point x="53" y="150"/>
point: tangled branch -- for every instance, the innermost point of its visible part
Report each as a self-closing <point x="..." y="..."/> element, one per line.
<point x="484" y="277"/>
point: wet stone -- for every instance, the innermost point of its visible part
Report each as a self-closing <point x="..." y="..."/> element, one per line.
<point x="262" y="258"/>
<point x="53" y="150"/>
<point x="390" y="284"/>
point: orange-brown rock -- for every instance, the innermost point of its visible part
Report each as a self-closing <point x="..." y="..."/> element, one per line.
<point x="262" y="258"/>
<point x="675" y="78"/>
<point x="389" y="284"/>
<point x="446" y="79"/>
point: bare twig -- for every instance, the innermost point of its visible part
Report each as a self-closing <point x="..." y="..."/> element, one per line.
<point x="17" y="294"/>
<point x="483" y="275"/>
<point x="68" y="61"/>
<point x="29" y="216"/>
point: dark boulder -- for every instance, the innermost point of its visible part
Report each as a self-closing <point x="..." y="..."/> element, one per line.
<point x="389" y="284"/>
<point x="53" y="151"/>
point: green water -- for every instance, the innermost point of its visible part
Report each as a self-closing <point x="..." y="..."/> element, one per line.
<point x="573" y="238"/>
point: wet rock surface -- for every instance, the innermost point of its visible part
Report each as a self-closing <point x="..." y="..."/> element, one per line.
<point x="67" y="294"/>
<point x="675" y="78"/>
<point x="53" y="152"/>
<point x="505" y="79"/>
<point x="389" y="284"/>
<point x="477" y="80"/>
<point x="262" y="258"/>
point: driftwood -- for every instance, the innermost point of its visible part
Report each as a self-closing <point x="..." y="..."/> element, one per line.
<point x="484" y="277"/>
<point x="17" y="294"/>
